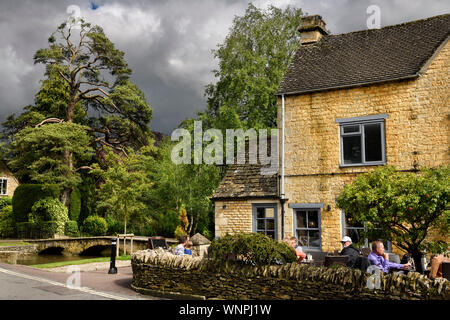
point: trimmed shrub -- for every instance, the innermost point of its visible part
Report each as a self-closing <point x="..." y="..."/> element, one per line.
<point x="48" y="229"/>
<point x="7" y="224"/>
<point x="50" y="209"/>
<point x="251" y="248"/>
<point x="75" y="204"/>
<point x="26" y="195"/>
<point x="95" y="226"/>
<point x="71" y="228"/>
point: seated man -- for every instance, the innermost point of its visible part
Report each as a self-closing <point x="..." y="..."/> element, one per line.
<point x="381" y="259"/>
<point x="350" y="251"/>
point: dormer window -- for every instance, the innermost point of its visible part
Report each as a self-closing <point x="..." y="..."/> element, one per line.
<point x="362" y="140"/>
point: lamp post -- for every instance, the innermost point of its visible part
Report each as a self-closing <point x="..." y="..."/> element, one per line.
<point x="112" y="266"/>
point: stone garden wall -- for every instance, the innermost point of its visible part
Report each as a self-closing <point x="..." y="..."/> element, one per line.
<point x="160" y="273"/>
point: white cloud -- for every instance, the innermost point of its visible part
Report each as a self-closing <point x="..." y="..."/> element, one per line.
<point x="12" y="68"/>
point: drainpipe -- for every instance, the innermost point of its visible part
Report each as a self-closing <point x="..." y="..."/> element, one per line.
<point x="282" y="199"/>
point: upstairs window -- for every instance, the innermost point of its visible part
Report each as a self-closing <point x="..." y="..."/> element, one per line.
<point x="362" y="140"/>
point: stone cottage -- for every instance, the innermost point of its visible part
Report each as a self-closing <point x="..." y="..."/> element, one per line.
<point x="348" y="103"/>
<point x="8" y="183"/>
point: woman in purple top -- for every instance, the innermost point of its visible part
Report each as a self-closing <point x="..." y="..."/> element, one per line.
<point x="381" y="259"/>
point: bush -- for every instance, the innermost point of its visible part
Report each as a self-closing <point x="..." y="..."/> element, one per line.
<point x="114" y="226"/>
<point x="71" y="228"/>
<point x="95" y="226"/>
<point x="5" y="201"/>
<point x="48" y="229"/>
<point x="26" y="195"/>
<point x="75" y="204"/>
<point x="7" y="224"/>
<point x="50" y="209"/>
<point x="251" y="248"/>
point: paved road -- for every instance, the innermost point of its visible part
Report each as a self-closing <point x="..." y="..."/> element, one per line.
<point x="26" y="283"/>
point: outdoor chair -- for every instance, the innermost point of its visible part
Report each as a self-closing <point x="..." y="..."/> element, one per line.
<point x="318" y="256"/>
<point x="157" y="242"/>
<point x="330" y="260"/>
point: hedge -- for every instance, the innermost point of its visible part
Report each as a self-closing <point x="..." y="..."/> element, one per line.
<point x="26" y="195"/>
<point x="71" y="229"/>
<point x="43" y="230"/>
<point x="252" y="249"/>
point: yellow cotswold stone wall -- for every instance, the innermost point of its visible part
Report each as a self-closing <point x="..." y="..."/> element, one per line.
<point x="13" y="183"/>
<point x="416" y="131"/>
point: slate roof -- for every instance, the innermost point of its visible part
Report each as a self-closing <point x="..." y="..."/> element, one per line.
<point x="368" y="56"/>
<point x="246" y="181"/>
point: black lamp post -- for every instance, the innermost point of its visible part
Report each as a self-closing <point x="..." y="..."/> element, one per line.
<point x="112" y="266"/>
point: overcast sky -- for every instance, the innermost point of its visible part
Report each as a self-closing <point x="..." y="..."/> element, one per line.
<point x="167" y="43"/>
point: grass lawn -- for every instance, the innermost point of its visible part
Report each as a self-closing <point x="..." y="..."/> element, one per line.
<point x="75" y="262"/>
<point x="19" y="243"/>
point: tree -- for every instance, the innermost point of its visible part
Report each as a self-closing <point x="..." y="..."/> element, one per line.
<point x="125" y="181"/>
<point x="85" y="72"/>
<point x="401" y="207"/>
<point x="252" y="62"/>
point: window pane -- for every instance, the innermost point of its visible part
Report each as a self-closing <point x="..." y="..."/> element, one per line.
<point x="352" y="149"/>
<point x="302" y="236"/>
<point x="372" y="143"/>
<point x="301" y="219"/>
<point x="350" y="129"/>
<point x="314" y="238"/>
<point x="313" y="221"/>
<point x="270" y="224"/>
<point x="260" y="225"/>
<point x="270" y="234"/>
<point x="354" y="235"/>
<point x="260" y="213"/>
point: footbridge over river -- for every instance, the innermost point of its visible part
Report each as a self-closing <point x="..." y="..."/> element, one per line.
<point x="84" y="245"/>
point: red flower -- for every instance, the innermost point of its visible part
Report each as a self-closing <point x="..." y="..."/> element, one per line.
<point x="427" y="195"/>
<point x="410" y="208"/>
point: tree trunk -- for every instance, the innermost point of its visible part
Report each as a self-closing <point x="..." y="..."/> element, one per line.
<point x="65" y="197"/>
<point x="417" y="257"/>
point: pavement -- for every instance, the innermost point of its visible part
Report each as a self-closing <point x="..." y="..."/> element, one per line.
<point x="28" y="283"/>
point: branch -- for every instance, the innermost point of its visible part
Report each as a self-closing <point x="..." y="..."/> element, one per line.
<point x="49" y="120"/>
<point x="84" y="167"/>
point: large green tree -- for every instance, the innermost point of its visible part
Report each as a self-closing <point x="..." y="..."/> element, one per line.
<point x="403" y="207"/>
<point x="252" y="61"/>
<point x="86" y="82"/>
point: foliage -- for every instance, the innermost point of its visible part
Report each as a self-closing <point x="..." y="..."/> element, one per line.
<point x="75" y="204"/>
<point x="125" y="180"/>
<point x="114" y="226"/>
<point x="400" y="207"/>
<point x="88" y="200"/>
<point x="48" y="229"/>
<point x="95" y="226"/>
<point x="7" y="223"/>
<point x="27" y="230"/>
<point x="71" y="228"/>
<point x="182" y="227"/>
<point x="26" y="195"/>
<point x="175" y="185"/>
<point x="252" y="62"/>
<point x="50" y="209"/>
<point x="251" y="248"/>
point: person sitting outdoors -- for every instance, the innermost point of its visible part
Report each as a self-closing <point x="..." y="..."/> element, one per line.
<point x="380" y="259"/>
<point x="188" y="248"/>
<point x="293" y="242"/>
<point x="179" y="249"/>
<point x="350" y="251"/>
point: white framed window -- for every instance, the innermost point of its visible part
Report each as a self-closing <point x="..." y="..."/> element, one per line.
<point x="362" y="140"/>
<point x="307" y="225"/>
<point x="3" y="186"/>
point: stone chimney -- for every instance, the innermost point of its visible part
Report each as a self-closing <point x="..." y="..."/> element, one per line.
<point x="312" y="29"/>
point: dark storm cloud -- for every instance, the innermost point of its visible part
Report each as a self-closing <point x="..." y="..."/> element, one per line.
<point x="167" y="43"/>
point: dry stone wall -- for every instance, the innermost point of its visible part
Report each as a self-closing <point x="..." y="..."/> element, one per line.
<point x="159" y="272"/>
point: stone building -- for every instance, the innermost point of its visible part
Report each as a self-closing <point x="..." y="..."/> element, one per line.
<point x="8" y="183"/>
<point x="348" y="103"/>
